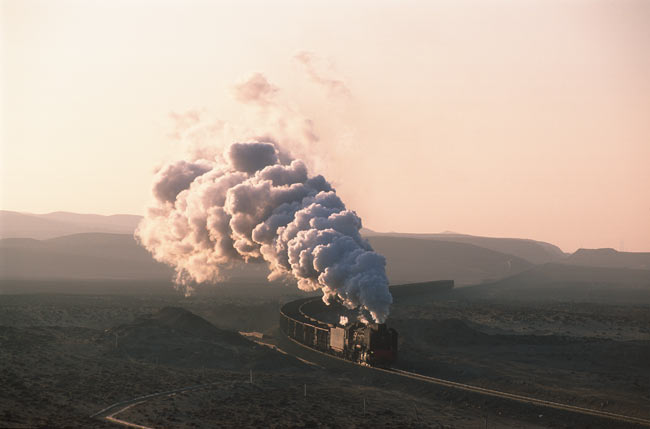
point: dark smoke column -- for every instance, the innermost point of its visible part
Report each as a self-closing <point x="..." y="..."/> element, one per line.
<point x="256" y="203"/>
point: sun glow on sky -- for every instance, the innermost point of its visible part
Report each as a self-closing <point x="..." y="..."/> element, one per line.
<point x="500" y="118"/>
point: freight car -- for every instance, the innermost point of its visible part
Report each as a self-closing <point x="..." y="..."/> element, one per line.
<point x="373" y="344"/>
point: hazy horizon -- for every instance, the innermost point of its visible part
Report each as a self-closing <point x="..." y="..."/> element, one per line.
<point x="498" y="119"/>
<point x="8" y="229"/>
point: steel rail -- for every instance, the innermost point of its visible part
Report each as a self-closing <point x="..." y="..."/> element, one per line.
<point x="486" y="391"/>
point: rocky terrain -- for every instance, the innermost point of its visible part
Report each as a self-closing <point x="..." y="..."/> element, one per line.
<point x="65" y="357"/>
<point x="549" y="358"/>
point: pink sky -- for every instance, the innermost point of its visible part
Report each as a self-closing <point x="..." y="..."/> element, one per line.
<point x="500" y="118"/>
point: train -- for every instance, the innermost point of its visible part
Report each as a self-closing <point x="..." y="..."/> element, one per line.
<point x="373" y="344"/>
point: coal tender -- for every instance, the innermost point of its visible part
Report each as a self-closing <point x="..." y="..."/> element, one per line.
<point x="373" y="344"/>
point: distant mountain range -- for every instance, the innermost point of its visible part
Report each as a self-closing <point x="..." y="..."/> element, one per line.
<point x="609" y="258"/>
<point x="79" y="256"/>
<point x="415" y="260"/>
<point x="536" y="252"/>
<point x="61" y="245"/>
<point x="44" y="226"/>
<point x="57" y="224"/>
<point x="118" y="256"/>
<point x="555" y="282"/>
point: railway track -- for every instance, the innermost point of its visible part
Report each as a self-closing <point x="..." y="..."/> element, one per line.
<point x="109" y="413"/>
<point x="486" y="391"/>
<point x="519" y="398"/>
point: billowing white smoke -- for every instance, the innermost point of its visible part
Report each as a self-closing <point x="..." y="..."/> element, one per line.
<point x="257" y="203"/>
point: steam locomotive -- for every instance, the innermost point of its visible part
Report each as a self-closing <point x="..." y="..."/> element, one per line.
<point x="373" y="344"/>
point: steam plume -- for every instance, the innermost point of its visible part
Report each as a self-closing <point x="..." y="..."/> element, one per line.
<point x="334" y="86"/>
<point x="255" y="203"/>
<point x="256" y="89"/>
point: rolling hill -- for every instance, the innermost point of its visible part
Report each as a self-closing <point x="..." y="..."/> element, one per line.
<point x="119" y="257"/>
<point x="550" y="282"/>
<point x="79" y="256"/>
<point x="416" y="260"/>
<point x="502" y="266"/>
<point x="609" y="258"/>
<point x="57" y="224"/>
<point x="535" y="252"/>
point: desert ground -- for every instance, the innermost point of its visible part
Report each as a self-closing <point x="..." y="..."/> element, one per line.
<point x="67" y="356"/>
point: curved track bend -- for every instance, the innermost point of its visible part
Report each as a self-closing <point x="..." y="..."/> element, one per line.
<point x="109" y="413"/>
<point x="488" y="392"/>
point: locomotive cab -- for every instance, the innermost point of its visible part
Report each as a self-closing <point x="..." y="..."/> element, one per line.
<point x="382" y="350"/>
